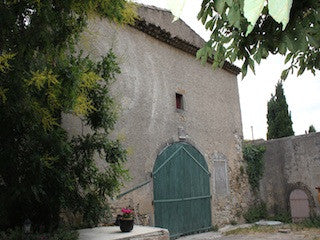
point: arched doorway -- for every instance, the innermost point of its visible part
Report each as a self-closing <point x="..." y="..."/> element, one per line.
<point x="299" y="205"/>
<point x="182" y="200"/>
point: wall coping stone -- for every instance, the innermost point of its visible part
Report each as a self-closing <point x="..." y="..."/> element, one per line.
<point x="294" y="137"/>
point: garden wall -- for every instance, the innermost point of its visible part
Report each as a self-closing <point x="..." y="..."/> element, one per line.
<point x="291" y="163"/>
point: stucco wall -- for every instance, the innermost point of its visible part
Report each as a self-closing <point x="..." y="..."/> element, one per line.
<point x="291" y="163"/>
<point x="152" y="72"/>
<point x="163" y="19"/>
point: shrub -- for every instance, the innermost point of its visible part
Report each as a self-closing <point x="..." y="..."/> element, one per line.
<point x="282" y="216"/>
<point x="256" y="213"/>
<point x="18" y="234"/>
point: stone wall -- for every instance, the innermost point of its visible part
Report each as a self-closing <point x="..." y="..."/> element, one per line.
<point x="291" y="163"/>
<point x="152" y="73"/>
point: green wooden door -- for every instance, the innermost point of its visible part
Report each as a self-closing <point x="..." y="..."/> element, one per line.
<point x="181" y="190"/>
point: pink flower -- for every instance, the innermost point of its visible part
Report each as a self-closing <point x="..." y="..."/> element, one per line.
<point x="126" y="210"/>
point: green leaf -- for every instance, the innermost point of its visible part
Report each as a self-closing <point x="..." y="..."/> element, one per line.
<point x="219" y="6"/>
<point x="251" y="65"/>
<point x="234" y="16"/>
<point x="264" y="53"/>
<point x="205" y="16"/>
<point x="302" y="68"/>
<point x="284" y="74"/>
<point x="252" y="10"/>
<point x="258" y="56"/>
<point x="249" y="29"/>
<point x="205" y="2"/>
<point x="280" y="11"/>
<point x="314" y="41"/>
<point x="282" y="48"/>
<point x="244" y="69"/>
<point x="289" y="42"/>
<point x="200" y="14"/>
<point x="209" y="24"/>
<point x="199" y="53"/>
<point x="229" y="3"/>
<point x="233" y="57"/>
<point x="301" y="42"/>
<point x="215" y="65"/>
<point x="288" y="57"/>
<point x="221" y="63"/>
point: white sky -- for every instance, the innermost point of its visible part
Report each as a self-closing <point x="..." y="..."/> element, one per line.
<point x="302" y="93"/>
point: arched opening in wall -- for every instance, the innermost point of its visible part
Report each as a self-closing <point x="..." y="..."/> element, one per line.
<point x="299" y="205"/>
<point x="182" y="199"/>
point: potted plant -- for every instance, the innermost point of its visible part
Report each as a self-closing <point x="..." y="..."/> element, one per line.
<point x="126" y="221"/>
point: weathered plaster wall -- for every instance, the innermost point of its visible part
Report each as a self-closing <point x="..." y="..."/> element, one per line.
<point x="152" y="72"/>
<point x="291" y="163"/>
<point x="163" y="19"/>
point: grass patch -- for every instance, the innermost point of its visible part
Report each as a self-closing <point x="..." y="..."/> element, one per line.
<point x="282" y="216"/>
<point x="305" y="227"/>
<point x="313" y="222"/>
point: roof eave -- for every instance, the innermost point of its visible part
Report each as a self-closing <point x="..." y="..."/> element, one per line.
<point x="165" y="36"/>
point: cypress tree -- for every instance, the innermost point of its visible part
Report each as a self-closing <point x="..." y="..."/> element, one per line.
<point x="278" y="116"/>
<point x="312" y="129"/>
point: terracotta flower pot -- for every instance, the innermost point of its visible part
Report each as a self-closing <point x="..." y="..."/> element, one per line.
<point x="126" y="225"/>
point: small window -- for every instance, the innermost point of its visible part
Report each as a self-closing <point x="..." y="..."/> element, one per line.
<point x="179" y="101"/>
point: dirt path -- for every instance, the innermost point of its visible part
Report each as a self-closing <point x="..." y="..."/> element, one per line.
<point x="294" y="235"/>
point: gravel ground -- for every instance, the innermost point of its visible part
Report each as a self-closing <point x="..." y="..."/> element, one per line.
<point x="291" y="235"/>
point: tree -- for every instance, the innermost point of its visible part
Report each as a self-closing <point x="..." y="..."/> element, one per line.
<point x="250" y="30"/>
<point x="312" y="129"/>
<point x="279" y="119"/>
<point x="42" y="77"/>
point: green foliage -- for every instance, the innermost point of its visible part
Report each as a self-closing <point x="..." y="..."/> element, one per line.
<point x="241" y="170"/>
<point x="43" y="78"/>
<point x="312" y="129"/>
<point x="255" y="165"/>
<point x="312" y="222"/>
<point x="282" y="216"/>
<point x="252" y="10"/>
<point x="4" y="61"/>
<point x="214" y="228"/>
<point x="256" y="213"/>
<point x="18" y="234"/>
<point x="233" y="222"/>
<point x="298" y="42"/>
<point x="279" y="119"/>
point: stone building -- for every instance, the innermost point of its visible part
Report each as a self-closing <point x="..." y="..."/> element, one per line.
<point x="180" y="122"/>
